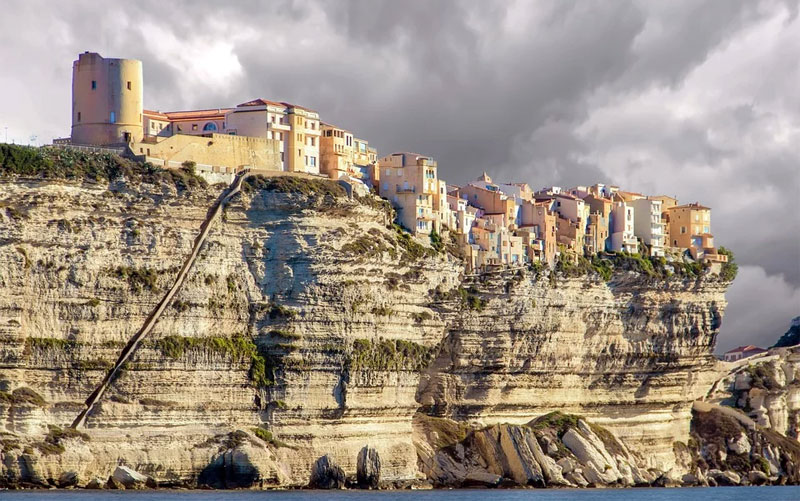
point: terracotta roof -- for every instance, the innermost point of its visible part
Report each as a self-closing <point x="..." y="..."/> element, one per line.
<point x="695" y="205"/>
<point x="155" y="114"/>
<point x="290" y="105"/>
<point x="218" y="113"/>
<point x="408" y="153"/>
<point x="175" y="116"/>
<point x="260" y="102"/>
<point x="749" y="347"/>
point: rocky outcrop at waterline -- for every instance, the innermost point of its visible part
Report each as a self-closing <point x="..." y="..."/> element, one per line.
<point x="310" y="327"/>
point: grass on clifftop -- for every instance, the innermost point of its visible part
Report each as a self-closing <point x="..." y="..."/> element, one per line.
<point x="608" y="263"/>
<point x="291" y="184"/>
<point x="49" y="162"/>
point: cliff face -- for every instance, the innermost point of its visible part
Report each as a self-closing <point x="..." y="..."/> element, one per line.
<point x="766" y="388"/>
<point x="307" y="327"/>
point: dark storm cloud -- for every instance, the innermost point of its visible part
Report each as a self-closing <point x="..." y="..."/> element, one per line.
<point x="698" y="99"/>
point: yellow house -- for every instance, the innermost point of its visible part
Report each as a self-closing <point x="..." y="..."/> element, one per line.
<point x="688" y="223"/>
<point x="410" y="182"/>
<point x="341" y="153"/>
<point x="190" y="122"/>
<point x="297" y="129"/>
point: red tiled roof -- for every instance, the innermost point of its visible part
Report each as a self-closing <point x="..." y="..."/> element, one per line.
<point x="218" y="114"/>
<point x="177" y="116"/>
<point x="695" y="205"/>
<point x="260" y="102"/>
<point x="155" y="114"/>
<point x="749" y="347"/>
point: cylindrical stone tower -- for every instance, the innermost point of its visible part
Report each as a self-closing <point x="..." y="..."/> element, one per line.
<point x="107" y="99"/>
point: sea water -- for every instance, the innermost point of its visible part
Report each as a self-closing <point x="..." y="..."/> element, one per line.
<point x="682" y="494"/>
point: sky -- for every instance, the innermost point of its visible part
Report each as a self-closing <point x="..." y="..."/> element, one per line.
<point x="694" y="99"/>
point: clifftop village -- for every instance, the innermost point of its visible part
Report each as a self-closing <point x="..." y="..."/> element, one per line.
<point x="495" y="223"/>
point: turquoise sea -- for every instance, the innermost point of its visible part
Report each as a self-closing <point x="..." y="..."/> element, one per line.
<point x="683" y="494"/>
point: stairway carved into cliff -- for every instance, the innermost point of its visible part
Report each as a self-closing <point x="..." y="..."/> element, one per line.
<point x="213" y="214"/>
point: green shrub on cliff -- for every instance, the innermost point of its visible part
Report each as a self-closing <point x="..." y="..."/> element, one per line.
<point x="291" y="184"/>
<point x="267" y="437"/>
<point x="137" y="278"/>
<point x="22" y="396"/>
<point x="387" y="355"/>
<point x="556" y="420"/>
<point x="412" y="250"/>
<point x="236" y="347"/>
<point x="71" y="164"/>
<point x="436" y="241"/>
<point x="761" y="377"/>
<point x="729" y="270"/>
<point x="49" y="343"/>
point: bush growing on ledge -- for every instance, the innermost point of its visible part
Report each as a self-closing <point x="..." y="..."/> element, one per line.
<point x="64" y="163"/>
<point x="557" y="420"/>
<point x="137" y="278"/>
<point x="413" y="250"/>
<point x="267" y="437"/>
<point x="291" y="184"/>
<point x="382" y="311"/>
<point x="49" y="343"/>
<point x="420" y="317"/>
<point x="436" y="241"/>
<point x="729" y="270"/>
<point x="761" y="377"/>
<point x="236" y="347"/>
<point x="22" y="396"/>
<point x="388" y="355"/>
<point x="280" y="311"/>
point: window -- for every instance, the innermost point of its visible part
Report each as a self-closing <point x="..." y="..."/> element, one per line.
<point x="129" y="85"/>
<point x="79" y="116"/>
<point x="683" y="230"/>
<point x="306" y="159"/>
<point x="94" y="84"/>
<point x="179" y="128"/>
<point x="313" y="161"/>
<point x="210" y="126"/>
<point x="112" y="118"/>
<point x="194" y="126"/>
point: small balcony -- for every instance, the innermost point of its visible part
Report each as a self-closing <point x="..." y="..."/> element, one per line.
<point x="405" y="189"/>
<point x="278" y="126"/>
